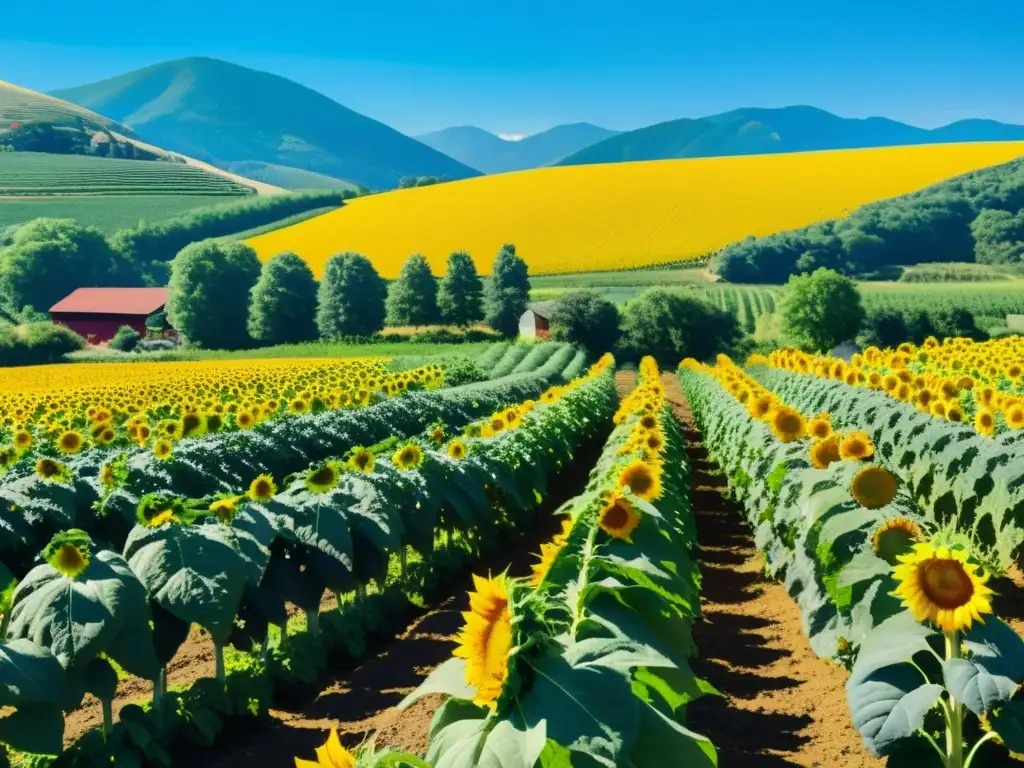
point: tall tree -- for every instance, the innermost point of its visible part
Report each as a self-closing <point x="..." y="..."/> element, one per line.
<point x="412" y="296"/>
<point x="49" y="258"/>
<point x="283" y="306"/>
<point x="821" y="309"/>
<point x="507" y="292"/>
<point x="460" y="295"/>
<point x="351" y="298"/>
<point x="588" y="319"/>
<point x="209" y="293"/>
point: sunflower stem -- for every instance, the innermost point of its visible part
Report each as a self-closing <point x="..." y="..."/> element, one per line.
<point x="977" y="746"/>
<point x="108" y="717"/>
<point x="588" y="553"/>
<point x="159" y="689"/>
<point x="313" y="622"/>
<point x="955" y="717"/>
<point x="218" y="654"/>
<point x="403" y="561"/>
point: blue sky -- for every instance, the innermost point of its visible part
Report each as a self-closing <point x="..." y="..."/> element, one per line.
<point x="521" y="67"/>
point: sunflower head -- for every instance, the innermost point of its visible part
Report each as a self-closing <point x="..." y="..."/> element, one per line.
<point x="873" y="487"/>
<point x="70" y="442"/>
<point x="262" y="488"/>
<point x="787" y="424"/>
<point x="22" y="440"/>
<point x="407" y="457"/>
<point x="820" y="427"/>
<point x="940" y="585"/>
<point x="361" y="460"/>
<point x="51" y="469"/>
<point x="69" y="552"/>
<point x="642" y="479"/>
<point x="331" y="755"/>
<point x="895" y="537"/>
<point x="457" y="450"/>
<point x="825" y="451"/>
<point x="486" y="639"/>
<point x="618" y="518"/>
<point x="163" y="449"/>
<point x="157" y="509"/>
<point x="323" y="478"/>
<point x="226" y="508"/>
<point x="856" y="445"/>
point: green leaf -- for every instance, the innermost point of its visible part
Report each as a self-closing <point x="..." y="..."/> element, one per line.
<point x="449" y="678"/>
<point x="993" y="671"/>
<point x="457" y="744"/>
<point x="661" y="736"/>
<point x="863" y="566"/>
<point x="452" y="711"/>
<point x="619" y="654"/>
<point x="510" y="746"/>
<point x="37" y="728"/>
<point x="1008" y="722"/>
<point x="29" y="674"/>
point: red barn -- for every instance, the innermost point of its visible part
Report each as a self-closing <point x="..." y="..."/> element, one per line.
<point x="97" y="313"/>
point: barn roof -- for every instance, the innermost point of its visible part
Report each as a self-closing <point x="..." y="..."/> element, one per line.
<point x="543" y="308"/>
<point x="113" y="301"/>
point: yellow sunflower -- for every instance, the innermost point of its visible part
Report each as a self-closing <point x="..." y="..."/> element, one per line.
<point x="825" y="451"/>
<point x="787" y="424"/>
<point x="895" y="537"/>
<point x="985" y="422"/>
<point x="50" y="469"/>
<point x="857" y="445"/>
<point x="873" y="487"/>
<point x="22" y="440"/>
<point x="407" y="457"/>
<point x="457" y="449"/>
<point x="618" y="518"/>
<point x="939" y="585"/>
<point x="362" y="460"/>
<point x="642" y="479"/>
<point x="162" y="449"/>
<point x="225" y="508"/>
<point x="820" y="427"/>
<point x="759" y="407"/>
<point x="486" y="639"/>
<point x="70" y="442"/>
<point x="262" y="488"/>
<point x="330" y="755"/>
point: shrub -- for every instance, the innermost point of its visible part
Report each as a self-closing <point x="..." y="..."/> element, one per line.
<point x="671" y="326"/>
<point x="209" y="293"/>
<point x="126" y="339"/>
<point x="507" y="292"/>
<point x="283" y="305"/>
<point x="350" y="301"/>
<point x="37" y="343"/>
<point x="821" y="309"/>
<point x="587" y="319"/>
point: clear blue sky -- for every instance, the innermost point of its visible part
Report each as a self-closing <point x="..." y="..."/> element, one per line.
<point x="521" y="67"/>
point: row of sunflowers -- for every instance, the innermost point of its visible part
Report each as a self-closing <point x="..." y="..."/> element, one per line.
<point x="232" y="559"/>
<point x="586" y="660"/>
<point x="885" y="587"/>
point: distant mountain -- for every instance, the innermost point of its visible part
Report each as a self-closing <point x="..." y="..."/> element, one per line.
<point x="789" y="129"/>
<point x="480" y="149"/>
<point x="224" y="113"/>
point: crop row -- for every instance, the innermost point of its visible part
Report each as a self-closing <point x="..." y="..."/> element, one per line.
<point x="230" y="561"/>
<point x="586" y="663"/>
<point x="882" y="586"/>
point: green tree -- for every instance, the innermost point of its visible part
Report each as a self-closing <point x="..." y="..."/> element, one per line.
<point x="412" y="296"/>
<point x="351" y="298"/>
<point x="821" y="309"/>
<point x="998" y="237"/>
<point x="507" y="292"/>
<point x="283" y="305"/>
<point x="49" y="258"/>
<point x="588" y="319"/>
<point x="460" y="294"/>
<point x="209" y="293"/>
<point x="671" y="326"/>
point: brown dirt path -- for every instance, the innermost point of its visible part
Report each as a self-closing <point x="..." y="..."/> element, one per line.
<point x="783" y="705"/>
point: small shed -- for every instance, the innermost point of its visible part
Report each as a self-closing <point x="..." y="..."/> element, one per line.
<point x="535" y="322"/>
<point x="97" y="313"/>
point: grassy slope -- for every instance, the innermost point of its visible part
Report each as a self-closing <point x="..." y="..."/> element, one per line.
<point x="289" y="178"/>
<point x="623" y="215"/>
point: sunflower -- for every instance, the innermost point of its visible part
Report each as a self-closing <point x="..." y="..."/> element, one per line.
<point x="857" y="445"/>
<point x="1015" y="417"/>
<point x="323" y="479"/>
<point x="330" y="755"/>
<point x="649" y="421"/>
<point x="787" y="424"/>
<point x="70" y="442"/>
<point x="162" y="449"/>
<point x="642" y="480"/>
<point x="760" y="406"/>
<point x="245" y="420"/>
<point x="50" y="469"/>
<point x="938" y="584"/>
<point x="985" y="422"/>
<point x="69" y="552"/>
<point x="618" y="518"/>
<point x="820" y="427"/>
<point x="108" y="477"/>
<point x="409" y="456"/>
<point x="22" y="440"/>
<point x="654" y="441"/>
<point x="225" y="508"/>
<point x="361" y="460"/>
<point x="824" y="452"/>
<point x="457" y="449"/>
<point x="486" y="639"/>
<point x="895" y="537"/>
<point x="262" y="488"/>
<point x="873" y="487"/>
<point x="549" y="551"/>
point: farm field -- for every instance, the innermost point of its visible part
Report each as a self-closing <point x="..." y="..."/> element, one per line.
<point x="290" y="542"/>
<point x="624" y="215"/>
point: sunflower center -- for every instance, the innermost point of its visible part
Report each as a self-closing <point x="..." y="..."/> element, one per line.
<point x="946" y="583"/>
<point x="616" y="517"/>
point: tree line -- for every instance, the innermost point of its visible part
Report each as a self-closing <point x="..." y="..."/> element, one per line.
<point x="975" y="217"/>
<point x="221" y="297"/>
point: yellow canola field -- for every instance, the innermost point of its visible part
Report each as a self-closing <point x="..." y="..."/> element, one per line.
<point x="622" y="215"/>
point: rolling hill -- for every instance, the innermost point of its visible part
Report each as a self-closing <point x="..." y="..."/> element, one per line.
<point x="789" y="129"/>
<point x="623" y="215"/>
<point x="484" y="151"/>
<point x="289" y="178"/>
<point x="224" y="113"/>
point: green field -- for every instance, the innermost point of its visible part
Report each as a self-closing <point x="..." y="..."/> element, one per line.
<point x="109" y="214"/>
<point x="20" y="105"/>
<point x="289" y="178"/>
<point x="36" y="173"/>
<point x="989" y="302"/>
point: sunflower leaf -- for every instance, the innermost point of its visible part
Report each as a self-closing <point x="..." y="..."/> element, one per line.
<point x="994" y="670"/>
<point x="449" y="678"/>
